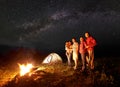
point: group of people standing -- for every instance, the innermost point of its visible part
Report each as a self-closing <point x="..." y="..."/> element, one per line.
<point x="85" y="48"/>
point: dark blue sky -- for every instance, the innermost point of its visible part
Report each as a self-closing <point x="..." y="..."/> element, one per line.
<point x="47" y="24"/>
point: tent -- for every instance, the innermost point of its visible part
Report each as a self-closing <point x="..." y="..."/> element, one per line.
<point x="52" y="58"/>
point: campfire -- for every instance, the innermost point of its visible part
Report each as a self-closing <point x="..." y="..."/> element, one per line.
<point x="25" y="68"/>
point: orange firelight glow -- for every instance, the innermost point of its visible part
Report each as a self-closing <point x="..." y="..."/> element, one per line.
<point x="25" y="68"/>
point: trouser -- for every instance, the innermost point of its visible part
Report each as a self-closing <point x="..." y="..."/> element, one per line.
<point x="69" y="58"/>
<point x="91" y="58"/>
<point x="75" y="58"/>
<point x="83" y="61"/>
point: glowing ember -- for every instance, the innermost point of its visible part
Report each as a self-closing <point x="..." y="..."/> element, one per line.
<point x="25" y="68"/>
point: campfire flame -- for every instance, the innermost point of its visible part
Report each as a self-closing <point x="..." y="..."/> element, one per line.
<point x="25" y="68"/>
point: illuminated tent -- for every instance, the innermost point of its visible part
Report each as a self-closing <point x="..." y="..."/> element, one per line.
<point x="52" y="58"/>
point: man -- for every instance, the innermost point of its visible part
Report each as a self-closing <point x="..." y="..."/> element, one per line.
<point x="91" y="43"/>
<point x="75" y="53"/>
<point x="68" y="48"/>
<point x="82" y="51"/>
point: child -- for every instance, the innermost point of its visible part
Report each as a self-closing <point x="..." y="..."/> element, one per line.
<point x="82" y="51"/>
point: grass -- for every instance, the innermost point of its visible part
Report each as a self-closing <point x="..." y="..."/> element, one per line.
<point x="6" y="75"/>
<point x="105" y="74"/>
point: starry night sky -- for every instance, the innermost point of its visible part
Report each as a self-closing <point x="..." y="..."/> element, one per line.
<point x="47" y="24"/>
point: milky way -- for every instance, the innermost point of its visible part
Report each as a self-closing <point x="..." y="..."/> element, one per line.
<point x="49" y="23"/>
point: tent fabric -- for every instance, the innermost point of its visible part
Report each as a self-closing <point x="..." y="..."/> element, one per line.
<point x="52" y="58"/>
